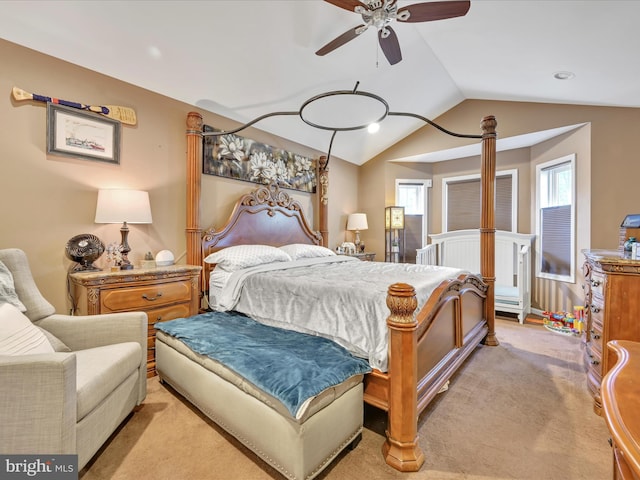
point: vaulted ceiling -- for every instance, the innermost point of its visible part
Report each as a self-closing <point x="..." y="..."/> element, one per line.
<point x="246" y="58"/>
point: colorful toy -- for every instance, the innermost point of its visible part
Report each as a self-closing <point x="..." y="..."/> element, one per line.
<point x="562" y="322"/>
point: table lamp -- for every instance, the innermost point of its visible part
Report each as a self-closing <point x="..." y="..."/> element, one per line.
<point x="357" y="222"/>
<point x="126" y="206"/>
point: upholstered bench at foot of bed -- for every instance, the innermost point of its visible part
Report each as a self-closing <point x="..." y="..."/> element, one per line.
<point x="298" y="449"/>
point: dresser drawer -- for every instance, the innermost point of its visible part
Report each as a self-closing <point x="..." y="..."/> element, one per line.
<point x="596" y="310"/>
<point x="595" y="337"/>
<point x="593" y="360"/>
<point x="145" y="297"/>
<point x="597" y="283"/>
<point x="181" y="310"/>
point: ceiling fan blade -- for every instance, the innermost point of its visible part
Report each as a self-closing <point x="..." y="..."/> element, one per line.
<point x="390" y="46"/>
<point x="426" y="12"/>
<point x="347" y="4"/>
<point x="341" y="40"/>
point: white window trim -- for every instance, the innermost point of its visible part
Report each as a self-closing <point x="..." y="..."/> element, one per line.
<point x="426" y="183"/>
<point x="502" y="173"/>
<point x="571" y="278"/>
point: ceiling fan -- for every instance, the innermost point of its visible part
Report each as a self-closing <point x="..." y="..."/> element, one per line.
<point x="380" y="13"/>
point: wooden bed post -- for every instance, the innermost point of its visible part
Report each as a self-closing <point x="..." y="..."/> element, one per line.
<point x="323" y="199"/>
<point x="194" y="180"/>
<point x="487" y="222"/>
<point x="401" y="449"/>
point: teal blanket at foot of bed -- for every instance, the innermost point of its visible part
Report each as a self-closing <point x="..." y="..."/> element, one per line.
<point x="290" y="366"/>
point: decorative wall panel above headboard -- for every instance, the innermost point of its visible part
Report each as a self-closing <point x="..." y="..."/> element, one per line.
<point x="234" y="156"/>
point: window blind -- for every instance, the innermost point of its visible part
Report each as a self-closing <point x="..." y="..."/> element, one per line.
<point x="463" y="204"/>
<point x="555" y="240"/>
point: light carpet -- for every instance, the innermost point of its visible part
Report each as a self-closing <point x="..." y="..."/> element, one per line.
<point x="517" y="411"/>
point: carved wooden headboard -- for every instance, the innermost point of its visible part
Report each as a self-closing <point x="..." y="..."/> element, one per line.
<point x="265" y="216"/>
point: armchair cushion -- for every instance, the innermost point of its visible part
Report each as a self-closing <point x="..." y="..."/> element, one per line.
<point x="100" y="370"/>
<point x="7" y="289"/>
<point x="37" y="306"/>
<point x="18" y="336"/>
<point x="57" y="344"/>
<point x="71" y="399"/>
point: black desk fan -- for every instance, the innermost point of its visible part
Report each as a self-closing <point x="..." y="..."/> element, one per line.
<point x="84" y="249"/>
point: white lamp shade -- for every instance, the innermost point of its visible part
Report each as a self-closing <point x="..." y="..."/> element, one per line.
<point x="357" y="221"/>
<point x="119" y="206"/>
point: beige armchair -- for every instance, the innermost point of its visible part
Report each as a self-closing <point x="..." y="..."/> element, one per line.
<point x="72" y="400"/>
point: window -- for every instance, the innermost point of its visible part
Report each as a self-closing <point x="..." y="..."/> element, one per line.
<point x="555" y="219"/>
<point x="461" y="202"/>
<point x="412" y="195"/>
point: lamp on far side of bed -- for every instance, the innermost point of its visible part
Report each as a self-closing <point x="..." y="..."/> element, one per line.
<point x="357" y="222"/>
<point x="126" y="206"/>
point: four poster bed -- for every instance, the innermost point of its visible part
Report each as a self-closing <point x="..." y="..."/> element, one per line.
<point x="424" y="346"/>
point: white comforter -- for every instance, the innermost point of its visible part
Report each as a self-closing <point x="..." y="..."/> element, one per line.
<point x="337" y="297"/>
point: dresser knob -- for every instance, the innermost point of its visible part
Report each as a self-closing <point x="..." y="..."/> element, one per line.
<point x="595" y="362"/>
<point x="595" y="283"/>
<point x="594" y="309"/>
<point x="151" y="299"/>
<point x="595" y="335"/>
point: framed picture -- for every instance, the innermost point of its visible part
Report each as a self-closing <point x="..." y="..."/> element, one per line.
<point x="76" y="133"/>
<point x="233" y="156"/>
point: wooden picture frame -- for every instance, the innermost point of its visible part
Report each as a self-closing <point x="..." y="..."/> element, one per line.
<point x="76" y="133"/>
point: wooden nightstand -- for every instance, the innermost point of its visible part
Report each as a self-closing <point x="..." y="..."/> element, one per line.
<point x="164" y="293"/>
<point x="369" y="256"/>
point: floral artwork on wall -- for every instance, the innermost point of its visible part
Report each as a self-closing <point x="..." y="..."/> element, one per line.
<point x="233" y="156"/>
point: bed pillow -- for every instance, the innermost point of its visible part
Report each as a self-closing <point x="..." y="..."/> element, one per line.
<point x="302" y="250"/>
<point x="18" y="336"/>
<point x="7" y="289"/>
<point x="245" y="256"/>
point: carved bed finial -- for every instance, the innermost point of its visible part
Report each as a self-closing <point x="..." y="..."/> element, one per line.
<point x="488" y="125"/>
<point x="402" y="302"/>
<point x="194" y="122"/>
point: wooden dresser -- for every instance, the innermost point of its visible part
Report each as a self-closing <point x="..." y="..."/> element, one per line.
<point x="621" y="407"/>
<point x="612" y="300"/>
<point x="164" y="293"/>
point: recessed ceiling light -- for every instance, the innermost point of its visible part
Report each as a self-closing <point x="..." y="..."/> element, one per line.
<point x="373" y="127"/>
<point x="564" y="75"/>
<point x="154" y="52"/>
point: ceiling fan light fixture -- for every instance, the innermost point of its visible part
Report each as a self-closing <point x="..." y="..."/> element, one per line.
<point x="381" y="13"/>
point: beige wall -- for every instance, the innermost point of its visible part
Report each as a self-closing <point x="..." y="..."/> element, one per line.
<point x="48" y="199"/>
<point x="548" y="294"/>
<point x="606" y="170"/>
<point x="613" y="145"/>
